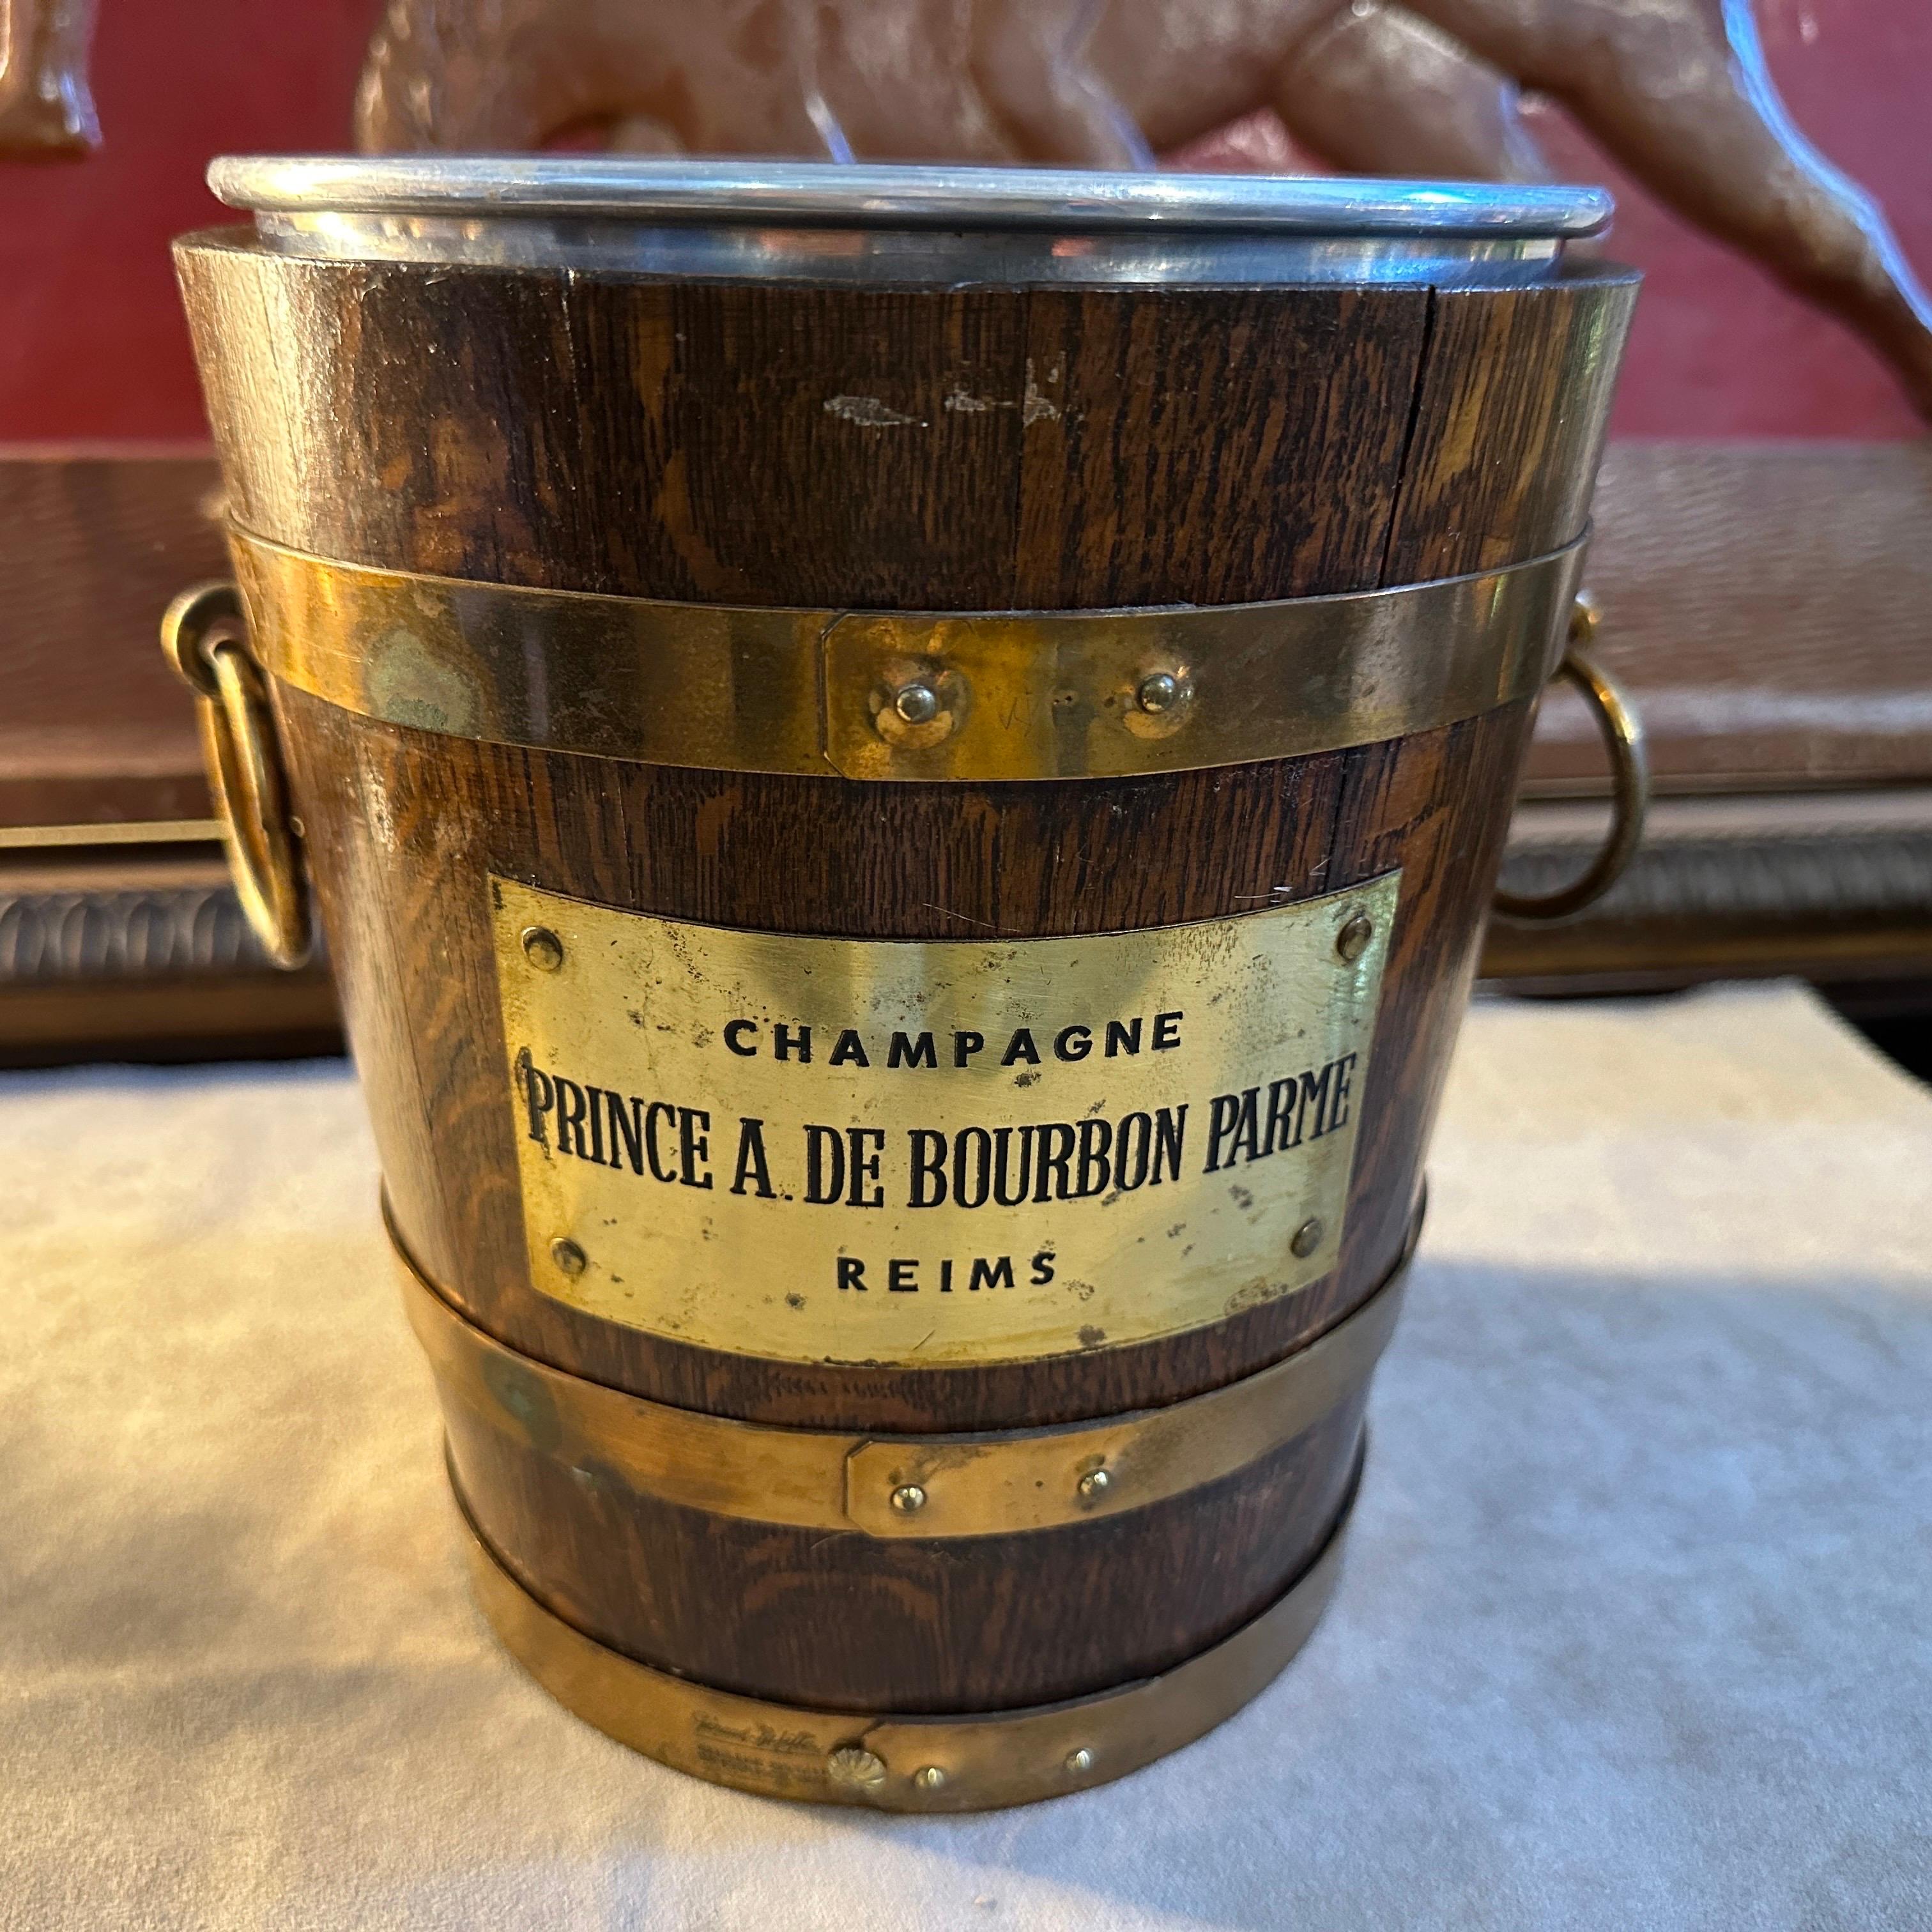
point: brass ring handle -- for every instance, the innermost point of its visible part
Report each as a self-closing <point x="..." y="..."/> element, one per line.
<point x="205" y="636"/>
<point x="1630" y="778"/>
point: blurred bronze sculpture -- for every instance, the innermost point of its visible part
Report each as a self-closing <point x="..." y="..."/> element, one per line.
<point x="1678" y="91"/>
<point x="45" y="104"/>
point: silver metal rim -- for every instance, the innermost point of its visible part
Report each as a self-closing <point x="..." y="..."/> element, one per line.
<point x="819" y="222"/>
<point x="721" y="192"/>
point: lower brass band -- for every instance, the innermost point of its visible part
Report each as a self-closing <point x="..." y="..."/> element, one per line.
<point x="902" y="1486"/>
<point x="901" y="1762"/>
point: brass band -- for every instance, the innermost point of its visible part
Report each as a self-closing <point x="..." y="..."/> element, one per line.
<point x="988" y="695"/>
<point x="907" y="1486"/>
<point x="898" y="1763"/>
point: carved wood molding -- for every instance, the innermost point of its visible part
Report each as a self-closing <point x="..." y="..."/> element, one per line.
<point x="1831" y="885"/>
<point x="118" y="932"/>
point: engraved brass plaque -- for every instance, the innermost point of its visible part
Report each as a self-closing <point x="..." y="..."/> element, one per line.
<point x="934" y="1152"/>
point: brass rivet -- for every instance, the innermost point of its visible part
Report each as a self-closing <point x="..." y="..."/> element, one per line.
<point x="917" y="703"/>
<point x="908" y="1499"/>
<point x="854" y="1764"/>
<point x="1157" y="691"/>
<point x="1307" y="1238"/>
<point x="1080" y="1761"/>
<point x="1352" y="941"/>
<point x="1094" y="1485"/>
<point x="929" y="1777"/>
<point x="567" y="1255"/>
<point x="542" y="948"/>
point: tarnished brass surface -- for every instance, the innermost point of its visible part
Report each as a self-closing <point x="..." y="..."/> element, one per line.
<point x="900" y="1763"/>
<point x="933" y="1152"/>
<point x="1019" y="694"/>
<point x="203" y="637"/>
<point x="987" y="1484"/>
<point x="1630" y="778"/>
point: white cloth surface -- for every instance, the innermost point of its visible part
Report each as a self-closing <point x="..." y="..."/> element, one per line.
<point x="1634" y="1630"/>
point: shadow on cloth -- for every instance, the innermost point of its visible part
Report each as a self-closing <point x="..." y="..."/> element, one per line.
<point x="1631" y="1631"/>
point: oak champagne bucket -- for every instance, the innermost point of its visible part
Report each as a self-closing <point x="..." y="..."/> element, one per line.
<point x="901" y="769"/>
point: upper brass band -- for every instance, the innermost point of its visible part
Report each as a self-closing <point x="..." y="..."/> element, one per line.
<point x="985" y="696"/>
<point x="912" y="1486"/>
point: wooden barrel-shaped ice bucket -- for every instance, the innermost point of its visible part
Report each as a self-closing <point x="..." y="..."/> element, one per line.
<point x="901" y="769"/>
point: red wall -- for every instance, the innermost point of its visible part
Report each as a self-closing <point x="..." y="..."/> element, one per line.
<point x="91" y="346"/>
<point x="91" y="341"/>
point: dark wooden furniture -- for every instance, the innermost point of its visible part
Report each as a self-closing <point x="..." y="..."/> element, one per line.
<point x="1766" y="604"/>
<point x="119" y="935"/>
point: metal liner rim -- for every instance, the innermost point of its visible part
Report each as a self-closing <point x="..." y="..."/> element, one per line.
<point x="861" y="195"/>
<point x="1161" y="256"/>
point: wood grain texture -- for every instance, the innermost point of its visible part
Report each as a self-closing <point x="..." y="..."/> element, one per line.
<point x="420" y="822"/>
<point x="845" y="1621"/>
<point x="1045" y="447"/>
<point x="1497" y="455"/>
<point x="1256" y="397"/>
<point x="889" y="449"/>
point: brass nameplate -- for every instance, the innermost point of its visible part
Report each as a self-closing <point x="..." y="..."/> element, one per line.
<point x="934" y="1152"/>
